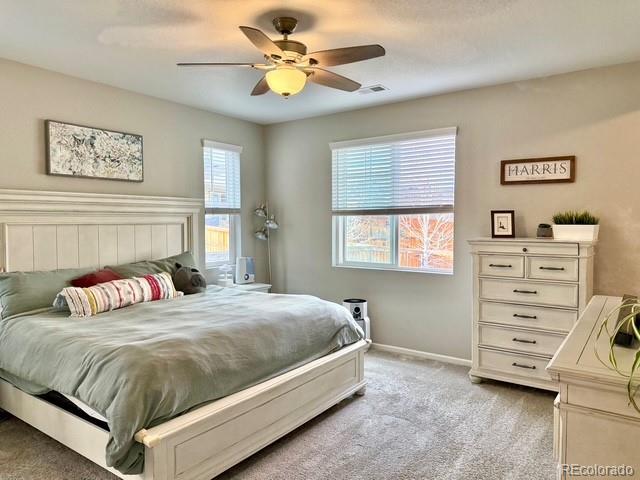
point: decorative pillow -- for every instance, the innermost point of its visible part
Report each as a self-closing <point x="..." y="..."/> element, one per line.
<point x="94" y="278"/>
<point x="31" y="292"/>
<point x="103" y="297"/>
<point x="189" y="280"/>
<point x="146" y="267"/>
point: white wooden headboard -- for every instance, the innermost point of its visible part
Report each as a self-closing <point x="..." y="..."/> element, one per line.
<point x="49" y="230"/>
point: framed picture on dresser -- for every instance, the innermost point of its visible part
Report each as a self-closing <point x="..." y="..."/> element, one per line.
<point x="503" y="224"/>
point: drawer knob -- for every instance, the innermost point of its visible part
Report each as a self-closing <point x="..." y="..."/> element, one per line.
<point x="520" y="315"/>
<point x="530" y="292"/>
<point x="500" y="265"/>
<point x="532" y="342"/>
<point x="519" y="365"/>
<point x="524" y="249"/>
<point x="559" y="269"/>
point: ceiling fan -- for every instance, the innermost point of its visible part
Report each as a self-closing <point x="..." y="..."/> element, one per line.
<point x="288" y="66"/>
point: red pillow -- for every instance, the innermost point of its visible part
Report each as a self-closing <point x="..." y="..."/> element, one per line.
<point x="94" y="278"/>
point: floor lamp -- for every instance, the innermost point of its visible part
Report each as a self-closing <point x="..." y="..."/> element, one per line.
<point x="264" y="233"/>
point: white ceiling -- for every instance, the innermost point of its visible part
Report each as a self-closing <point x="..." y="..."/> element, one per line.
<point x="433" y="46"/>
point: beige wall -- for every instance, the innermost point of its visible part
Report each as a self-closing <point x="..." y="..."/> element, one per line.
<point x="594" y="115"/>
<point x="172" y="139"/>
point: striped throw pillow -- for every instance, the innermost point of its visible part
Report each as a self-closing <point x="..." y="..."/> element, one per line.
<point x="85" y="302"/>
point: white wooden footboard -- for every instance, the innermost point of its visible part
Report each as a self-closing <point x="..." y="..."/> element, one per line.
<point x="207" y="441"/>
<point x="203" y="443"/>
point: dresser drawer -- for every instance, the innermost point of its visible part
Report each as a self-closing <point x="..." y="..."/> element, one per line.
<point x="550" y="248"/>
<point x="502" y="266"/>
<point x="527" y="341"/>
<point x="604" y="398"/>
<point x="526" y="316"/>
<point x="513" y="364"/>
<point x="559" y="295"/>
<point x="553" y="268"/>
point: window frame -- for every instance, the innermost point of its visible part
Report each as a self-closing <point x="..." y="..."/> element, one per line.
<point x="234" y="239"/>
<point x="338" y="246"/>
<point x="337" y="223"/>
<point x="235" y="230"/>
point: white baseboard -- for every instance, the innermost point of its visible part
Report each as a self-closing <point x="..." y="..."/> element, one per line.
<point x="420" y="354"/>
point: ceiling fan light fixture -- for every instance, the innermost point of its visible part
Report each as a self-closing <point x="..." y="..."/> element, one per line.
<point x="288" y="65"/>
<point x="286" y="80"/>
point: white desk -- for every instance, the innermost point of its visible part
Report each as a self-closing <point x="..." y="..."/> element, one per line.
<point x="594" y="423"/>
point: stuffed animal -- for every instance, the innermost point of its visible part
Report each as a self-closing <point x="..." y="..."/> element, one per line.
<point x="189" y="280"/>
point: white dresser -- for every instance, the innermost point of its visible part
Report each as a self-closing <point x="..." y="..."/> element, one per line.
<point x="528" y="293"/>
<point x="593" y="422"/>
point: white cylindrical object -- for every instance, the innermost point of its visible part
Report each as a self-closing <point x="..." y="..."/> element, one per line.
<point x="357" y="307"/>
<point x="245" y="270"/>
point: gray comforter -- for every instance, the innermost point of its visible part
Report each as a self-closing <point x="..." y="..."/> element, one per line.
<point x="145" y="364"/>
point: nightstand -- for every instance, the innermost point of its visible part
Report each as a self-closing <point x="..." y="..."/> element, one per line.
<point x="254" y="287"/>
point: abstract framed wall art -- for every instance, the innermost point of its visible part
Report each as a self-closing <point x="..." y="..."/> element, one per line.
<point x="88" y="152"/>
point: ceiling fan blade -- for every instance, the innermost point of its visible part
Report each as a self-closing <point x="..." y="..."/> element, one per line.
<point x="214" y="64"/>
<point x="261" y="87"/>
<point x="262" y="42"/>
<point x="341" y="56"/>
<point x="333" y="80"/>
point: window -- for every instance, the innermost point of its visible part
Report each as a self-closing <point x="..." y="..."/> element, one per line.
<point x="221" y="202"/>
<point x="392" y="201"/>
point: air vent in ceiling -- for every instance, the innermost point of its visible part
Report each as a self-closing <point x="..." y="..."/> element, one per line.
<point x="372" y="89"/>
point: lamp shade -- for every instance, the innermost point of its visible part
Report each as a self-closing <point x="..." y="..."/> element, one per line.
<point x="271" y="223"/>
<point x="261" y="211"/>
<point x="261" y="234"/>
<point x="286" y="80"/>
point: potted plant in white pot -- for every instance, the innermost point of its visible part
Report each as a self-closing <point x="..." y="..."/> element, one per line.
<point x="575" y="226"/>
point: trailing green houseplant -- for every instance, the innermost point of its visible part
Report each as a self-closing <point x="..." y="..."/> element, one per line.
<point x="575" y="226"/>
<point x="609" y="328"/>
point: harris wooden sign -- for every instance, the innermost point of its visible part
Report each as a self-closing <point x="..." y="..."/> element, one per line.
<point x="538" y="170"/>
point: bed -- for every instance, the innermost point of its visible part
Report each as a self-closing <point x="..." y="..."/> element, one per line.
<point x="94" y="230"/>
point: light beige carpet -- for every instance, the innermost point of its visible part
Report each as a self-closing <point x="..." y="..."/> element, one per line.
<point x="418" y="420"/>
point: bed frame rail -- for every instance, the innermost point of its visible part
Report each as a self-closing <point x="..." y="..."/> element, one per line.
<point x="207" y="441"/>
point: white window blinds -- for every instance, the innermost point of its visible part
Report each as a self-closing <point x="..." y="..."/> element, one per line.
<point x="395" y="174"/>
<point x="221" y="177"/>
